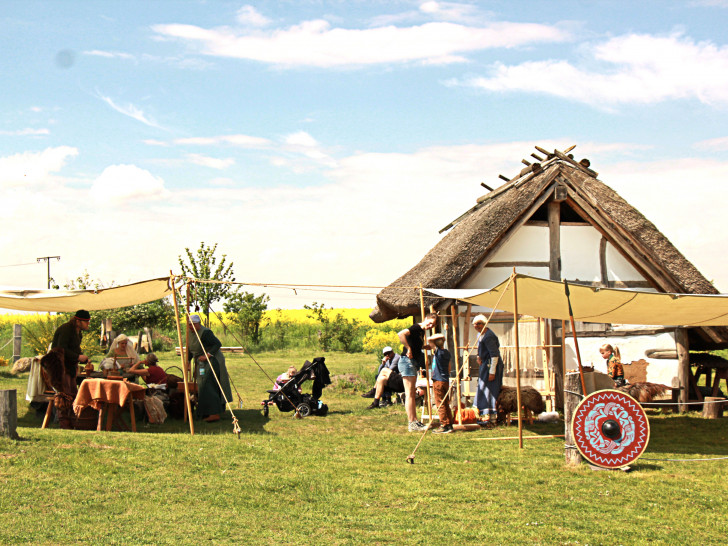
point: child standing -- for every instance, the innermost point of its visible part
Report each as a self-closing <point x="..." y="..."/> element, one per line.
<point x="615" y="370"/>
<point x="441" y="382"/>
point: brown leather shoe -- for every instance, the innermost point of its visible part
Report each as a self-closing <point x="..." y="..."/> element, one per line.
<point x="212" y="418"/>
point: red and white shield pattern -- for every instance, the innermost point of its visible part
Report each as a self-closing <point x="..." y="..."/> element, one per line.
<point x="597" y="448"/>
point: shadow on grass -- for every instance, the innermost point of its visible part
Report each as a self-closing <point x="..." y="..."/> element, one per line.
<point x="688" y="435"/>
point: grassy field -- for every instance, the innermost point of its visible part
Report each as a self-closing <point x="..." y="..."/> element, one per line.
<point x="343" y="479"/>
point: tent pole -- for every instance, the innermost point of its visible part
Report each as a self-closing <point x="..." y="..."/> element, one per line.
<point x="518" y="360"/>
<point x="427" y="363"/>
<point x="576" y="342"/>
<point x="182" y="355"/>
<point x="458" y="371"/>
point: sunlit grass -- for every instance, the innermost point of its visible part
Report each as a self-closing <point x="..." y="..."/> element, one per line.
<point x="343" y="479"/>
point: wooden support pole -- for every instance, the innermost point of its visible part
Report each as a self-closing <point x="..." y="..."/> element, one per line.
<point x="518" y="361"/>
<point x="572" y="384"/>
<point x="183" y="354"/>
<point x="713" y="408"/>
<point x="9" y="413"/>
<point x="458" y="371"/>
<point x="428" y="401"/>
<point x="683" y="367"/>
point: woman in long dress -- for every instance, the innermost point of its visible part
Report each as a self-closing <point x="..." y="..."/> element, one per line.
<point x="208" y="357"/>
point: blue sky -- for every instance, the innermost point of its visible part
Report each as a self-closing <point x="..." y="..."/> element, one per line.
<point x="328" y="142"/>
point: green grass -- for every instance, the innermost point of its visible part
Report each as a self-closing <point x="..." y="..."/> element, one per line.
<point x="343" y="479"/>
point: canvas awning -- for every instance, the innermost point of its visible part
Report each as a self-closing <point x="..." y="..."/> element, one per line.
<point x="68" y="301"/>
<point x="547" y="299"/>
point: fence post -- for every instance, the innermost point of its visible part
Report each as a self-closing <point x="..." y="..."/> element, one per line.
<point x="9" y="413"/>
<point x="17" y="341"/>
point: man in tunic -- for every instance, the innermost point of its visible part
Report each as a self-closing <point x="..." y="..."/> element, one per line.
<point x="68" y="337"/>
<point x="490" y="374"/>
<point x="209" y="370"/>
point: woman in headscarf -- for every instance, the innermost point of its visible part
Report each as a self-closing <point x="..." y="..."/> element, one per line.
<point x="213" y="382"/>
<point x="121" y="354"/>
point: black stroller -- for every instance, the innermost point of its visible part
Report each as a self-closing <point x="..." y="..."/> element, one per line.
<point x="287" y="398"/>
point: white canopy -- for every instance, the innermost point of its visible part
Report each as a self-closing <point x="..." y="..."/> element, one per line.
<point x="547" y="299"/>
<point x="68" y="301"/>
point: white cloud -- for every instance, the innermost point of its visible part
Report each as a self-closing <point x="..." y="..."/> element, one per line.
<point x="119" y="184"/>
<point x="634" y="68"/>
<point x="131" y="111"/>
<point x="241" y="141"/>
<point x="714" y="144"/>
<point x="316" y="43"/>
<point x="352" y="221"/>
<point x="110" y="54"/>
<point x="449" y="11"/>
<point x="248" y="15"/>
<point x="27" y="132"/>
<point x="30" y="169"/>
<point x="212" y="162"/>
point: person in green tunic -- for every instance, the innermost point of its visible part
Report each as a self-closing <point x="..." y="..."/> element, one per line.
<point x="210" y="399"/>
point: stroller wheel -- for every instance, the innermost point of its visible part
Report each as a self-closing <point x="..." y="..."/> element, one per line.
<point x="265" y="410"/>
<point x="304" y="410"/>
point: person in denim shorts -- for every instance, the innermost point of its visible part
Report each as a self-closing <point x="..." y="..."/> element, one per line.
<point x="410" y="362"/>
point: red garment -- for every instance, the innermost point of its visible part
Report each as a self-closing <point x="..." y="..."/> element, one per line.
<point x="155" y="375"/>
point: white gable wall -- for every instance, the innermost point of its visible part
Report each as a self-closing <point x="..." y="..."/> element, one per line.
<point x="579" y="257"/>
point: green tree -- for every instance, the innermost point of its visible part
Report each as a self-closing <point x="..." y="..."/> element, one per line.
<point x="204" y="265"/>
<point x="248" y="310"/>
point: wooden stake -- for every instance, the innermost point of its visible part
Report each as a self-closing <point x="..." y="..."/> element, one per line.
<point x="182" y="353"/>
<point x="518" y="361"/>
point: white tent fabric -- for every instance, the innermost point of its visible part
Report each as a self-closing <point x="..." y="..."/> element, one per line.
<point x="547" y="299"/>
<point x="68" y="301"/>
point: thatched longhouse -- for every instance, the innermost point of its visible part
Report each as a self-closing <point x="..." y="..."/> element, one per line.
<point x="554" y="220"/>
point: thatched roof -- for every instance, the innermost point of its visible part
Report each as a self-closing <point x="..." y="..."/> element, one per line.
<point x="479" y="231"/>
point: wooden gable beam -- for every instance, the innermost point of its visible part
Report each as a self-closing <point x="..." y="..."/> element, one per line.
<point x="547" y="192"/>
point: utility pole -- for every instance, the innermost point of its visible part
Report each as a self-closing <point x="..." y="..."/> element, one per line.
<point x="48" y="259"/>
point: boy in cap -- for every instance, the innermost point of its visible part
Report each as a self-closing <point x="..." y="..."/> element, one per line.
<point x="441" y="382"/>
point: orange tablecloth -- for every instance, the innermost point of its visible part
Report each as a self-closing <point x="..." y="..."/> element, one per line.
<point x="96" y="392"/>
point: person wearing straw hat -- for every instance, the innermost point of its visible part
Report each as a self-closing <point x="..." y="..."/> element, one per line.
<point x="441" y="382"/>
<point x="490" y="374"/>
<point x="206" y="351"/>
<point x="388" y="372"/>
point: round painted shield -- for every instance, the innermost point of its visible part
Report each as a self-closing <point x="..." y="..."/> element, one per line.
<point x="610" y="429"/>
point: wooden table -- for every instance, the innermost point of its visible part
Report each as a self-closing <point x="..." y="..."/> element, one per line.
<point x="111" y="395"/>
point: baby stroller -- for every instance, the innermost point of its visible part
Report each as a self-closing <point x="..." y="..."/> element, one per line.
<point x="288" y="397"/>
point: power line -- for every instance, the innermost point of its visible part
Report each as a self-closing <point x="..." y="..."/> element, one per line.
<point x="18" y="265"/>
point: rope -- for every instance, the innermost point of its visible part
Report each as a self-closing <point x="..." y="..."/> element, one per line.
<point x="236" y="425"/>
<point x="8" y="343"/>
<point x="684" y="460"/>
<point x="257" y="364"/>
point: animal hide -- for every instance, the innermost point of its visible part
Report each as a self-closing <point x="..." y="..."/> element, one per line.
<point x="24" y="364"/>
<point x="644" y="392"/>
<point x="507" y="401"/>
<point x="61" y="376"/>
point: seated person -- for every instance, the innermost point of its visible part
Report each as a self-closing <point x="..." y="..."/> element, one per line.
<point x="388" y="379"/>
<point x="389" y="360"/>
<point x="153" y="374"/>
<point x="121" y="355"/>
<point x="285" y="378"/>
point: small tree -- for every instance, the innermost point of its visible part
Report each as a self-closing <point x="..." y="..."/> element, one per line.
<point x="204" y="265"/>
<point x="248" y="310"/>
